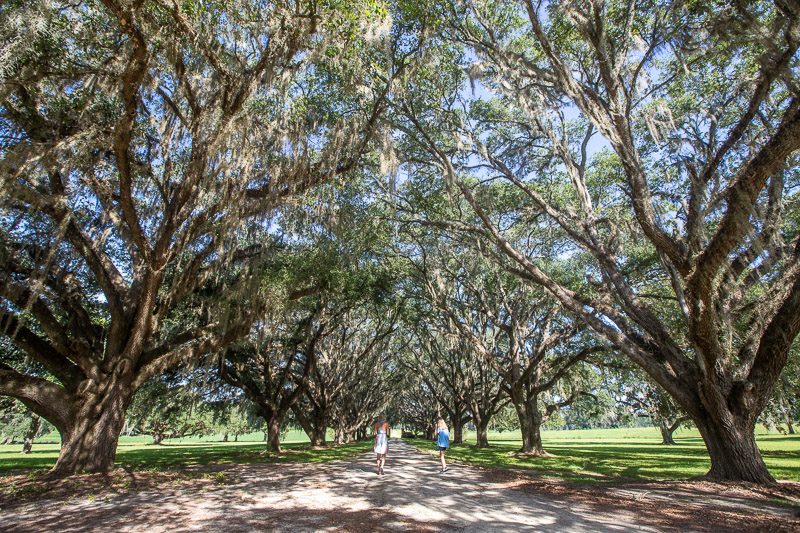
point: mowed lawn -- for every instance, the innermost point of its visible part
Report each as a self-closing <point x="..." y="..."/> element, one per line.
<point x="139" y="453"/>
<point x="578" y="456"/>
<point x="624" y="454"/>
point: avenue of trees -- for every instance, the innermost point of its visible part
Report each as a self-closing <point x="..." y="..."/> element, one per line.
<point x="683" y="225"/>
<point x="226" y="216"/>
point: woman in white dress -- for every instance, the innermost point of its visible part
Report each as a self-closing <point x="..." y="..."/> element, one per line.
<point x="381" y="441"/>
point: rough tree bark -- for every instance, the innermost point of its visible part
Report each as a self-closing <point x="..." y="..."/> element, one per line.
<point x="315" y="425"/>
<point x="482" y="432"/>
<point x="274" y="418"/>
<point x="339" y="435"/>
<point x="530" y="422"/>
<point x="90" y="441"/>
<point x="666" y="432"/>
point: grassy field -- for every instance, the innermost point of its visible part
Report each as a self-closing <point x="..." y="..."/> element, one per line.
<point x="603" y="455"/>
<point x="579" y="456"/>
<point x="139" y="453"/>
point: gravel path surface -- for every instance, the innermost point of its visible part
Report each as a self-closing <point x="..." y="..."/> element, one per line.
<point x="350" y="496"/>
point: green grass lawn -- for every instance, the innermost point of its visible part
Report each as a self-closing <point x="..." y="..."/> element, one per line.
<point x="596" y="456"/>
<point x="579" y="456"/>
<point x="139" y="452"/>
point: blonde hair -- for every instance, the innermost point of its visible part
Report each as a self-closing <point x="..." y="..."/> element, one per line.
<point x="442" y="424"/>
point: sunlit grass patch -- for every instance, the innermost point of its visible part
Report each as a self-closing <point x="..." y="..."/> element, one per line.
<point x="623" y="454"/>
<point x="141" y="454"/>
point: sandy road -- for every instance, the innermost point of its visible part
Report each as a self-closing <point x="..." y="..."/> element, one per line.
<point x="338" y="496"/>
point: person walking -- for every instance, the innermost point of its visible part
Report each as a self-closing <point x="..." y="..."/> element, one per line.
<point x="381" y="441"/>
<point x="443" y="440"/>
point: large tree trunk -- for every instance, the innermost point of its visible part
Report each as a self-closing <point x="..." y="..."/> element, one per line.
<point x="89" y="442"/>
<point x="482" y="436"/>
<point x="339" y="435"/>
<point x="733" y="451"/>
<point x="666" y="432"/>
<point x="274" y="423"/>
<point x="458" y="431"/>
<point x="727" y="424"/>
<point x="530" y="422"/>
<point x="456" y="415"/>
<point x="315" y="426"/>
<point x="33" y="429"/>
<point x="788" y="418"/>
<point x="318" y="436"/>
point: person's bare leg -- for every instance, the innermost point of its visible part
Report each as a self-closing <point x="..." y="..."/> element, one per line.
<point x="441" y="458"/>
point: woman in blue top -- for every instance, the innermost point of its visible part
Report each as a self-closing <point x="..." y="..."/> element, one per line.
<point x="443" y="440"/>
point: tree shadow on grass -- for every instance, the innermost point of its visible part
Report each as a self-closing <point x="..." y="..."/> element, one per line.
<point x="182" y="455"/>
<point x="593" y="463"/>
<point x="35" y="460"/>
<point x="349" y="496"/>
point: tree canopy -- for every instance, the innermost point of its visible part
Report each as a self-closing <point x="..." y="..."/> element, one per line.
<point x="462" y="206"/>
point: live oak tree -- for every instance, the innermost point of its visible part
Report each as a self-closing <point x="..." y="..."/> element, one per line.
<point x="487" y="399"/>
<point x="784" y="409"/>
<point x="522" y="332"/>
<point x="464" y="384"/>
<point x="170" y="406"/>
<point x="355" y="376"/>
<point x="697" y="104"/>
<point x="530" y="346"/>
<point x="338" y="230"/>
<point x="417" y="407"/>
<point x="144" y="147"/>
<point x="276" y="363"/>
<point x="18" y="423"/>
<point x="359" y="404"/>
<point x="273" y="365"/>
<point x="636" y="392"/>
<point x="343" y="358"/>
<point x="441" y="366"/>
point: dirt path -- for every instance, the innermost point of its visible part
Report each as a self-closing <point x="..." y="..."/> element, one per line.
<point x="412" y="496"/>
